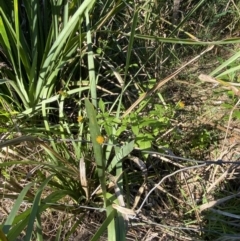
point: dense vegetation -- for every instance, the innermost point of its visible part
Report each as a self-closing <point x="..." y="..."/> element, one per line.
<point x="106" y="106"/>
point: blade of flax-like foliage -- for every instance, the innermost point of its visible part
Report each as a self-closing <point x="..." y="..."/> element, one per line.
<point x="65" y="12"/>
<point x="116" y="164"/>
<point x="128" y="59"/>
<point x="36" y="39"/>
<point x="16" y="88"/>
<point x="98" y="151"/>
<point x="39" y="228"/>
<point x="55" y="18"/>
<point x="130" y="45"/>
<point x="57" y="47"/>
<point x="5" y="42"/>
<point x="20" y="223"/>
<point x="16" y="21"/>
<point x="53" y="62"/>
<point x="26" y="47"/>
<point x="15" y="50"/>
<point x="49" y="100"/>
<point x="97" y="140"/>
<point x="121" y="225"/>
<point x="35" y="209"/>
<point x="18" y="45"/>
<point x="8" y="223"/>
<point x="103" y="227"/>
<point x="21" y="220"/>
<point x="91" y="69"/>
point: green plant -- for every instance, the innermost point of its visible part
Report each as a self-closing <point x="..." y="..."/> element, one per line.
<point x="76" y="66"/>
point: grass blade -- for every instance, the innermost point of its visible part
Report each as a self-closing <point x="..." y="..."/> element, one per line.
<point x="35" y="209"/>
<point x="224" y="65"/>
<point x="91" y="68"/>
<point x="12" y="215"/>
<point x="16" y="21"/>
<point x="100" y="161"/>
<point x="103" y="227"/>
<point x="98" y="152"/>
<point x="130" y="45"/>
<point x="58" y="45"/>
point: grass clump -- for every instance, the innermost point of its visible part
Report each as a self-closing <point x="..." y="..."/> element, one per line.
<point x="105" y="107"/>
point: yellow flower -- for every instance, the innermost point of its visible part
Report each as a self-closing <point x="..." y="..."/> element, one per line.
<point x="80" y="118"/>
<point x="100" y="139"/>
<point x="181" y="104"/>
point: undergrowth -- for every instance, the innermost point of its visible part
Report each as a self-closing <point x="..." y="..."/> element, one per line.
<point x="106" y="108"/>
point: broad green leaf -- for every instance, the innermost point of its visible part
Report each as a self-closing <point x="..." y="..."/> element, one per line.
<point x="144" y="141"/>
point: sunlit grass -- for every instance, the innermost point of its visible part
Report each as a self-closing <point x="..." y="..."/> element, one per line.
<point x="72" y="139"/>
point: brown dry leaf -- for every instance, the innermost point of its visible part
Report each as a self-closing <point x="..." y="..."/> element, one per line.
<point x="207" y="78"/>
<point x="217" y="202"/>
<point x="83" y="178"/>
<point x="138" y="196"/>
<point x="126" y="211"/>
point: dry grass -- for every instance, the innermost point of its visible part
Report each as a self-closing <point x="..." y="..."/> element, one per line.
<point x="190" y="205"/>
<point x="179" y="201"/>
